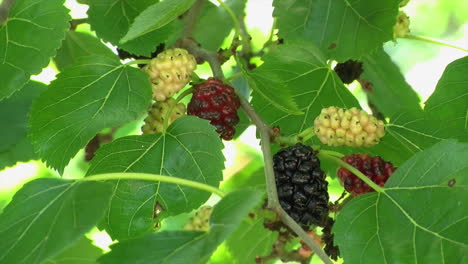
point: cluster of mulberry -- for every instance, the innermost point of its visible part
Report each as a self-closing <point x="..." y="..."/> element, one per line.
<point x="158" y="112"/>
<point x="217" y="102"/>
<point x="348" y="127"/>
<point x="169" y="72"/>
<point x="375" y="168"/>
<point x="301" y="184"/>
<point x="201" y="220"/>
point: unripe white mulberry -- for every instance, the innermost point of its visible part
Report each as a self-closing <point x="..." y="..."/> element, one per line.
<point x="201" y="220"/>
<point x="348" y="127"/>
<point x="157" y="113"/>
<point x="169" y="72"/>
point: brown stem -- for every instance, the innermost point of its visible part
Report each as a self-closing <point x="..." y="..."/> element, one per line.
<point x="75" y="22"/>
<point x="191" y="18"/>
<point x="5" y="9"/>
<point x="200" y="53"/>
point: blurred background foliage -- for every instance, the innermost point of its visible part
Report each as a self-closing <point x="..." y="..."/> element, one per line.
<point x="421" y="63"/>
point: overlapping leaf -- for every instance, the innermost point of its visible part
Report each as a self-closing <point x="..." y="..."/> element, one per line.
<point x="448" y="105"/>
<point x="28" y="39"/>
<point x="301" y="70"/>
<point x="82" y="252"/>
<point x="206" y="33"/>
<point x="420" y="218"/>
<point x="79" y="44"/>
<point x="176" y="247"/>
<point x="345" y="28"/>
<point x="14" y="145"/>
<point x="46" y="216"/>
<point x="445" y="116"/>
<point x="155" y="17"/>
<point x="111" y="19"/>
<point x="190" y="149"/>
<point x="96" y="93"/>
<point x="386" y="85"/>
<point x="251" y="239"/>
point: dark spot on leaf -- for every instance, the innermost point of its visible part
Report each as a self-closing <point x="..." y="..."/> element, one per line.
<point x="367" y="86"/>
<point x="157" y="210"/>
<point x="451" y="182"/>
<point x="332" y="46"/>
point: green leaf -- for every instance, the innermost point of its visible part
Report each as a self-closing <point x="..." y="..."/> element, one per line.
<point x="95" y="93"/>
<point x="155" y="17"/>
<point x="251" y="239"/>
<point x="47" y="215"/>
<point x="82" y="252"/>
<point x="271" y="88"/>
<point x="387" y="85"/>
<point x="301" y="71"/>
<point x="419" y="218"/>
<point x="189" y="149"/>
<point x="14" y="145"/>
<point x="344" y="29"/>
<point x="30" y="36"/>
<point x="448" y="105"/>
<point x="209" y="36"/>
<point x="121" y="14"/>
<point x="176" y="247"/>
<point x="79" y="44"/>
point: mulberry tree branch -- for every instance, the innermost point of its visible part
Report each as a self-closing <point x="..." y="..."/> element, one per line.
<point x="191" y="18"/>
<point x="215" y="62"/>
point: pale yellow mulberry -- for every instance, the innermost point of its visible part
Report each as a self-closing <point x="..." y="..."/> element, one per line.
<point x="348" y="127"/>
<point x="169" y="72"/>
<point x="157" y="113"/>
<point x="201" y="220"/>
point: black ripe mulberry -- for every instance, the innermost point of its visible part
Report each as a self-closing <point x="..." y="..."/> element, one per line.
<point x="349" y="71"/>
<point x="302" y="189"/>
<point x="375" y="168"/>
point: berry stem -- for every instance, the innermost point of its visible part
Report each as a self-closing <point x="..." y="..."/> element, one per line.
<point x="154" y="178"/>
<point x="138" y="62"/>
<point x="360" y="175"/>
<point x="234" y="76"/>
<point x="304" y="136"/>
<point x="434" y="41"/>
<point x="303" y="235"/>
<point x="332" y="153"/>
<point x="169" y="112"/>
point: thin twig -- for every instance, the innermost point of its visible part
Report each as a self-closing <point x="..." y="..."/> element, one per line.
<point x="303" y="235"/>
<point x="246" y="51"/>
<point x="5" y="9"/>
<point x="191" y="18"/>
<point x="211" y="57"/>
<point x="264" y="131"/>
<point x="75" y="22"/>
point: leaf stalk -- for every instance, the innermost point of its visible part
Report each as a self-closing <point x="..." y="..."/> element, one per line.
<point x="433" y="41"/>
<point x="360" y="175"/>
<point x="153" y="178"/>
